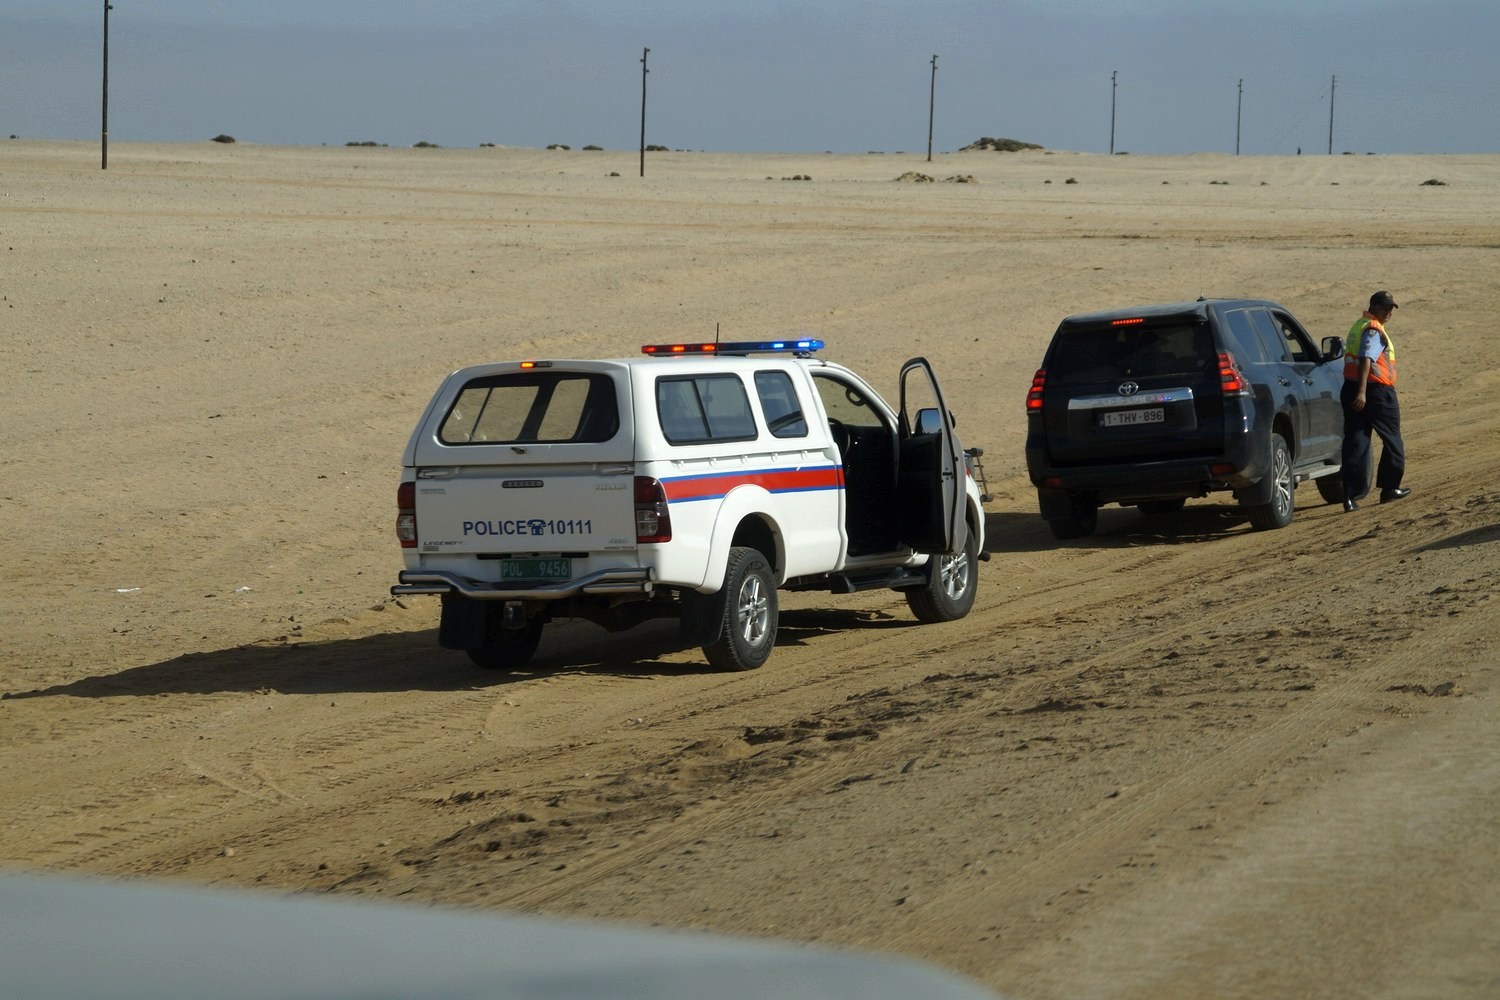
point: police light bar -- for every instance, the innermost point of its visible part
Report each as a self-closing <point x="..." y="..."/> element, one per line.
<point x="805" y="345"/>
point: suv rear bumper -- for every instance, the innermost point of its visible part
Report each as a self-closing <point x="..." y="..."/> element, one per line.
<point x="618" y="580"/>
<point x="1238" y="468"/>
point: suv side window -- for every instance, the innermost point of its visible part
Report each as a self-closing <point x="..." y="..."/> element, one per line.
<point x="1298" y="343"/>
<point x="693" y="409"/>
<point x="778" y="401"/>
<point x="1270" y="335"/>
<point x="1256" y="340"/>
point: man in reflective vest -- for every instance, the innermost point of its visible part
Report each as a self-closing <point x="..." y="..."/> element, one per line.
<point x="1369" y="398"/>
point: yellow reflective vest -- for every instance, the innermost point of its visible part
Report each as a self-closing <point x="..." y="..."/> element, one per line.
<point x="1383" y="370"/>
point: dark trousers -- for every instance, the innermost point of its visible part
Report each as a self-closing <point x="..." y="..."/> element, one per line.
<point x="1381" y="415"/>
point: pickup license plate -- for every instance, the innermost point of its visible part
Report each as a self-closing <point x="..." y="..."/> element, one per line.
<point x="1129" y="418"/>
<point x="532" y="570"/>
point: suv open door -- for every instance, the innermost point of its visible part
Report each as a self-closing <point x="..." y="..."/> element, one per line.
<point x="930" y="474"/>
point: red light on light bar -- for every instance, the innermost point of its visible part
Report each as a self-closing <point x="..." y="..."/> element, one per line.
<point x="1136" y="321"/>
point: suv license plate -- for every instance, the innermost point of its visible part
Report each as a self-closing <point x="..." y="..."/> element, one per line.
<point x="531" y="570"/>
<point x="1129" y="418"/>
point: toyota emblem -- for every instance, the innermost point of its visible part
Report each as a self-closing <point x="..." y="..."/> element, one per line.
<point x="1129" y="388"/>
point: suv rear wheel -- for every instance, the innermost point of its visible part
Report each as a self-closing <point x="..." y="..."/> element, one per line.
<point x="1080" y="521"/>
<point x="750" y="613"/>
<point x="1277" y="513"/>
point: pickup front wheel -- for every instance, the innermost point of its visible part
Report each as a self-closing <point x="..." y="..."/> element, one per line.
<point x="750" y="613"/>
<point x="952" y="580"/>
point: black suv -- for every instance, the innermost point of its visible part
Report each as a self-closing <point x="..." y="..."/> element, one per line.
<point x="1151" y="405"/>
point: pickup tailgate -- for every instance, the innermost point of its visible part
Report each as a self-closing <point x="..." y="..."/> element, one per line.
<point x="525" y="508"/>
<point x="525" y="474"/>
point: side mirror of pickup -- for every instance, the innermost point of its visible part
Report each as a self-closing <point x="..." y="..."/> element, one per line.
<point x="1333" y="348"/>
<point x="929" y="422"/>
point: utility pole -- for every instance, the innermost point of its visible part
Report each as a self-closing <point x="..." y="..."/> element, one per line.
<point x="644" y="71"/>
<point x="1112" y="85"/>
<point x="104" y="104"/>
<point x="1332" y="86"/>
<point x="931" y="105"/>
<point x="1239" y="107"/>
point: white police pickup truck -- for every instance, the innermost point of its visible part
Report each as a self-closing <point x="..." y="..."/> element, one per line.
<point x="691" y="482"/>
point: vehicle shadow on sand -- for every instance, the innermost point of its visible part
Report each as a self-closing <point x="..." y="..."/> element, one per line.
<point x="413" y="661"/>
<point x="1118" y="528"/>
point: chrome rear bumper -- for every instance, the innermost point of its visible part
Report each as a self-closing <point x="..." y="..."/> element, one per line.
<point x="620" y="580"/>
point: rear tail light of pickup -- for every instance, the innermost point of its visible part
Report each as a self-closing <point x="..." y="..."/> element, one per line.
<point x="406" y="514"/>
<point x="1034" y="396"/>
<point x="653" y="521"/>
<point x="1231" y="379"/>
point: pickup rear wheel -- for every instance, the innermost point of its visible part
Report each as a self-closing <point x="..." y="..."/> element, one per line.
<point x="952" y="580"/>
<point x="1277" y="513"/>
<point x="507" y="648"/>
<point x="750" y="613"/>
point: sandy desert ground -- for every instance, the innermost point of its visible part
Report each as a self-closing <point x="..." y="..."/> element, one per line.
<point x="1178" y="759"/>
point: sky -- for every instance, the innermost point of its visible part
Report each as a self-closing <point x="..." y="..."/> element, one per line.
<point x="1141" y="76"/>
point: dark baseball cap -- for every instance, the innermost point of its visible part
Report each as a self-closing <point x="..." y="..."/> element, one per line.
<point x="1383" y="300"/>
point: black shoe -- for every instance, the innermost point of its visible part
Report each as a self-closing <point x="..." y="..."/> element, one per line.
<point x="1350" y="506"/>
<point x="1399" y="493"/>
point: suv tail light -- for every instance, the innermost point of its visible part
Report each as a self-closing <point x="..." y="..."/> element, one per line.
<point x="653" y="522"/>
<point x="1231" y="379"/>
<point x="1034" y="397"/>
<point x="406" y="514"/>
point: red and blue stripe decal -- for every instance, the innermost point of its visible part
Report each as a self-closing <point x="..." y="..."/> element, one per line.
<point x="716" y="486"/>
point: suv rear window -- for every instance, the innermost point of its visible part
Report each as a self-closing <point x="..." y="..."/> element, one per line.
<point x="1105" y="353"/>
<point x="533" y="408"/>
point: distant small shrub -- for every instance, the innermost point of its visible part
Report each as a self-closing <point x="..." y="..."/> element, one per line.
<point x="558" y="145"/>
<point x="424" y="144"/>
<point x="594" y="148"/>
<point x="1071" y="180"/>
<point x="1433" y="182"/>
<point x="367" y="142"/>
<point x="221" y="137"/>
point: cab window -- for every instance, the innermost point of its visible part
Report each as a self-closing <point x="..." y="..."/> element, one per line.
<point x="693" y="409"/>
<point x="778" y="401"/>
